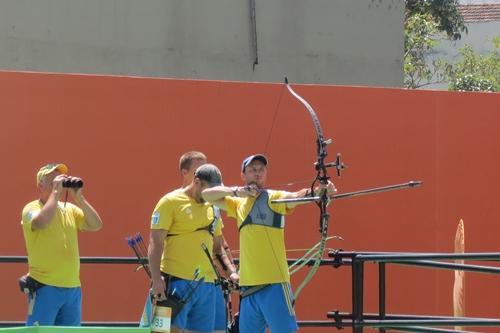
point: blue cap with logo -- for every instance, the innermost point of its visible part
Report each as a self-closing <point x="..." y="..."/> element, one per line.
<point x="250" y="159"/>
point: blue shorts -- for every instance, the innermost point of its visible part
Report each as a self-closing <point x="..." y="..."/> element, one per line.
<point x="198" y="314"/>
<point x="220" y="310"/>
<point x="55" y="306"/>
<point x="270" y="307"/>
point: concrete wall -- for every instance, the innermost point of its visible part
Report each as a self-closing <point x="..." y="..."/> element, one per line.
<point x="312" y="41"/>
<point x="480" y="36"/>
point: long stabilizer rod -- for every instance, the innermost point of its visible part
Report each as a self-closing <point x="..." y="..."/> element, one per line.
<point x="410" y="184"/>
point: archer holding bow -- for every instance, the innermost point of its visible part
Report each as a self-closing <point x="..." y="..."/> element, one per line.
<point x="267" y="299"/>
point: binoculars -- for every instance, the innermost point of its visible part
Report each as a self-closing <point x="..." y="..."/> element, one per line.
<point x="72" y="183"/>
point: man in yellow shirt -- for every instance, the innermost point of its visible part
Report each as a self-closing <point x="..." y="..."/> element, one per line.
<point x="50" y="229"/>
<point x="181" y="224"/>
<point x="267" y="300"/>
<point x="188" y="163"/>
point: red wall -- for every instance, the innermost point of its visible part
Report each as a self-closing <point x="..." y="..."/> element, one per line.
<point x="124" y="137"/>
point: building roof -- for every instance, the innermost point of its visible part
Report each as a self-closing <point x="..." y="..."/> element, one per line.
<point x="480" y="13"/>
<point x="478" y="2"/>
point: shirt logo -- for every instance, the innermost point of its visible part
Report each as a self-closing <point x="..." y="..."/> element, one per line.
<point x="32" y="214"/>
<point x="155" y="218"/>
<point x="260" y="215"/>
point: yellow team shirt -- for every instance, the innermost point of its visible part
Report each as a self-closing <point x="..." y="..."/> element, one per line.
<point x="53" y="255"/>
<point x="182" y="217"/>
<point x="262" y="249"/>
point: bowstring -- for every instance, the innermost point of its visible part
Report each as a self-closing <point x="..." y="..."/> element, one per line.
<point x="275" y="116"/>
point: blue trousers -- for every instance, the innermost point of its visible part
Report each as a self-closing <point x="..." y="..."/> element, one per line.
<point x="270" y="307"/>
<point x="55" y="306"/>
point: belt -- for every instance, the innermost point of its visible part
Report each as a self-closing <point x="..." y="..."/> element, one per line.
<point x="168" y="277"/>
<point x="253" y="289"/>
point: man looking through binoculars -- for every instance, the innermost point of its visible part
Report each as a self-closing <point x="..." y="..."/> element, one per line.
<point x="50" y="232"/>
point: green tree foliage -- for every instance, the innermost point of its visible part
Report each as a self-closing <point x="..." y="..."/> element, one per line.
<point x="426" y="23"/>
<point x="421" y="36"/>
<point x="444" y="13"/>
<point x="475" y="72"/>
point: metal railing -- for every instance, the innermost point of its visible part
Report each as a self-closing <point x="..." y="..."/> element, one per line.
<point x="357" y="319"/>
<point x="135" y="261"/>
